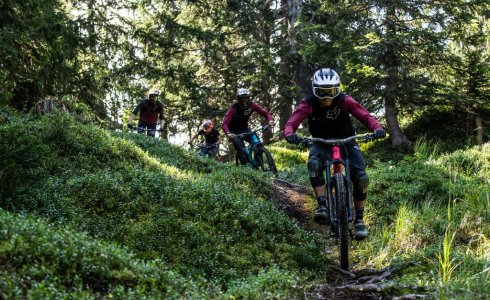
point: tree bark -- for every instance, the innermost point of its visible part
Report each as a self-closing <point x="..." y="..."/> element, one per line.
<point x="390" y="60"/>
<point x="294" y="67"/>
<point x="266" y="32"/>
<point x="478" y="125"/>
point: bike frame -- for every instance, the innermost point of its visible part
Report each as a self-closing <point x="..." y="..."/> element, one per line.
<point x="340" y="205"/>
<point x="145" y="130"/>
<point x="252" y="148"/>
<point x="338" y="165"/>
<point x="205" y="148"/>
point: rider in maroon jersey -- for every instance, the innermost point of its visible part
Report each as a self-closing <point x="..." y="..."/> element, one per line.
<point x="329" y="116"/>
<point x="150" y="110"/>
<point x="236" y="120"/>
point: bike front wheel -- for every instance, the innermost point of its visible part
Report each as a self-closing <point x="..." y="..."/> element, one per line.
<point x="341" y="197"/>
<point x="265" y="161"/>
<point x="241" y="158"/>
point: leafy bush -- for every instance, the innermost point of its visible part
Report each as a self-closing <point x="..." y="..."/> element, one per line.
<point x="43" y="261"/>
<point x="24" y="157"/>
<point x="445" y="126"/>
<point x="208" y="229"/>
<point x="201" y="217"/>
<point x="416" y="201"/>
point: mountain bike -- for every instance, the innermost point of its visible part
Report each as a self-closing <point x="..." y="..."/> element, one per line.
<point x="210" y="150"/>
<point x="255" y="153"/>
<point x="146" y="131"/>
<point x="339" y="192"/>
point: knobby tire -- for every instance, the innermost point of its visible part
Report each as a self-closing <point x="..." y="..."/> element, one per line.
<point x="344" y="236"/>
<point x="265" y="160"/>
<point x="239" y="155"/>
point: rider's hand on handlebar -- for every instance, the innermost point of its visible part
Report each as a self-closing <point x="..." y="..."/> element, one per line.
<point x="380" y="133"/>
<point x="293" y="139"/>
<point x="271" y="124"/>
<point x="231" y="136"/>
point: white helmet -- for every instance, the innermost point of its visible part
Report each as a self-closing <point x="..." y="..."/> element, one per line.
<point x="243" y="97"/>
<point x="326" y="83"/>
<point x="154" y="92"/>
<point x="242" y="93"/>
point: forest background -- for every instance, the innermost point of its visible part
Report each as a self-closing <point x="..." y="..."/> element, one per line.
<point x="398" y="58"/>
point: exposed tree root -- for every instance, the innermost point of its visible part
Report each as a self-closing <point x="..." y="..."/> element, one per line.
<point x="364" y="284"/>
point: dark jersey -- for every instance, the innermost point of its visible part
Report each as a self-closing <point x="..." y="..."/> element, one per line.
<point x="149" y="111"/>
<point x="236" y="118"/>
<point x="333" y="121"/>
<point x="211" y="137"/>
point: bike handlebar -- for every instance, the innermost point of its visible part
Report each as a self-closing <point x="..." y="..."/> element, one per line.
<point x="132" y="127"/>
<point x="306" y="142"/>
<point x="241" y="135"/>
<point x="209" y="146"/>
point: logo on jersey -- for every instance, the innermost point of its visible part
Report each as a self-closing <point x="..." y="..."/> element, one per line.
<point x="332" y="114"/>
<point x="248" y="111"/>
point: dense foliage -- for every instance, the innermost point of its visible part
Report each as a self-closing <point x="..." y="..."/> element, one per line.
<point x="89" y="213"/>
<point x="200" y="218"/>
<point x="394" y="57"/>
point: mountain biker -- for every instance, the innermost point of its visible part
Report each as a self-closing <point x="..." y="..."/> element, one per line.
<point x="211" y="136"/>
<point x="329" y="116"/>
<point x="236" y="121"/>
<point x="150" y="109"/>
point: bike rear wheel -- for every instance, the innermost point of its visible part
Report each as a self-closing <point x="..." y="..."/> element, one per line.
<point x="343" y="222"/>
<point x="264" y="159"/>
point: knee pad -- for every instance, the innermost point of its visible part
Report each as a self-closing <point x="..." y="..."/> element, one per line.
<point x="315" y="171"/>
<point x="363" y="181"/>
<point x="314" y="167"/>
<point x="361" y="186"/>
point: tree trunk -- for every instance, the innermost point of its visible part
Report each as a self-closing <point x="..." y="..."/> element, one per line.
<point x="390" y="60"/>
<point x="266" y="32"/>
<point x="478" y="125"/>
<point x="293" y="66"/>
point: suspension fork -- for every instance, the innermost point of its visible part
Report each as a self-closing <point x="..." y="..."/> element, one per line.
<point x="348" y="187"/>
<point x="330" y="199"/>
<point x="338" y="165"/>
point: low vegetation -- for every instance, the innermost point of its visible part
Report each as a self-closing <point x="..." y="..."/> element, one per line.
<point x="201" y="219"/>
<point x="90" y="213"/>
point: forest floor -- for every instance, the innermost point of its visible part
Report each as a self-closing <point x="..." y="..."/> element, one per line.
<point x="294" y="201"/>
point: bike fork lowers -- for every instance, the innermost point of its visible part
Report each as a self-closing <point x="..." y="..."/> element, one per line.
<point x="338" y="165"/>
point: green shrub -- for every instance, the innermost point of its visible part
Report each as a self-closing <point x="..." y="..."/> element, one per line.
<point x="43" y="261"/>
<point x="202" y="217"/>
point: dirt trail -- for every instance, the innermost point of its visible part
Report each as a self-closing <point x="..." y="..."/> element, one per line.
<point x="356" y="284"/>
